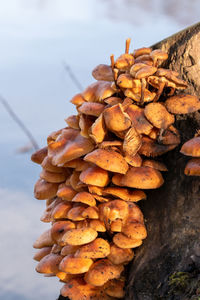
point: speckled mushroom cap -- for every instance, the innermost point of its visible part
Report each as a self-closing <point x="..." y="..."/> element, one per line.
<point x="96" y="168"/>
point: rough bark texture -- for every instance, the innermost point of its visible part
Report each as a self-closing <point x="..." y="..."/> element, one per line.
<point x="172" y="213"/>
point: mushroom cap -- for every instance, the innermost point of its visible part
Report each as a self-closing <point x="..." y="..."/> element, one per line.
<point x="44" y="240"/>
<point x="59" y="228"/>
<point x="64" y="277"/>
<point x="125" y="81"/>
<point x="53" y="135"/>
<point x="102" y="271"/>
<point x="115" y="288"/>
<point x="145" y="72"/>
<point x="134" y="230"/>
<point x="125" y="194"/>
<point x="84" y="197"/>
<point x="134" y="161"/>
<point x="91" y="108"/>
<point x="116" y="119"/>
<point x="78" y="164"/>
<point x="75" y="213"/>
<point x="77" y="100"/>
<point x="73" y="121"/>
<point x="69" y="249"/>
<point x="39" y="155"/>
<point x="157" y="114"/>
<point x="45" y="190"/>
<point x="68" y="145"/>
<point x="171" y="136"/>
<point x="134" y="213"/>
<point x="81" y="236"/>
<point x="182" y="104"/>
<point x="85" y="122"/>
<point x="99" y="248"/>
<point x="113" y="100"/>
<point x="141" y="51"/>
<point x="142" y="178"/>
<point x="66" y="192"/>
<point x="132" y="142"/>
<point x="49" y="264"/>
<point x="108" y="160"/>
<point x="138" y="119"/>
<point x="98" y="130"/>
<point x="47" y="165"/>
<point x="191" y="147"/>
<point x="78" y="289"/>
<point x="53" y="177"/>
<point x="95" y="176"/>
<point x="151" y="148"/>
<point x="97" y="225"/>
<point x="112" y="210"/>
<point x="42" y="253"/>
<point x="98" y="91"/>
<point x="154" y="164"/>
<point x="116" y="179"/>
<point x="103" y="72"/>
<point x="124" y="61"/>
<point x="95" y="190"/>
<point x="192" y="167"/>
<point x="122" y="241"/>
<point x="158" y="54"/>
<point x="61" y="210"/>
<point x="74" y="181"/>
<point x="91" y="212"/>
<point x="119" y="255"/>
<point x="75" y="265"/>
<point x="145" y="58"/>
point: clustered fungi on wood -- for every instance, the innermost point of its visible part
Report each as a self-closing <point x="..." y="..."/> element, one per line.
<point x="94" y="170"/>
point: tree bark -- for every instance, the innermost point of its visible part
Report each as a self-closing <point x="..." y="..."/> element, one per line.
<point x="172" y="213"/>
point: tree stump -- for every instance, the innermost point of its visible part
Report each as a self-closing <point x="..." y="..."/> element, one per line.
<point x="172" y="213"/>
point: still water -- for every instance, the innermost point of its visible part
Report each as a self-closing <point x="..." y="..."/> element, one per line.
<point x="37" y="38"/>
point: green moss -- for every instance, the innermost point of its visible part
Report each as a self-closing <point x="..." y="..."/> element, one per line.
<point x="184" y="285"/>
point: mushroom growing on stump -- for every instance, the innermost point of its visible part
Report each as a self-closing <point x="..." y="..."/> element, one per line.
<point x="95" y="169"/>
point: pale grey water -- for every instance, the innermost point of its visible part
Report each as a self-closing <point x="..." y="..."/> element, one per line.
<point x="36" y="37"/>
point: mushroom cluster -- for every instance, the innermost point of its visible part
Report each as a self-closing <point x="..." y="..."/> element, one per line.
<point x="192" y="148"/>
<point x="95" y="170"/>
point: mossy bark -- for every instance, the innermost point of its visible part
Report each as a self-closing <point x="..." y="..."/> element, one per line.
<point x="172" y="213"/>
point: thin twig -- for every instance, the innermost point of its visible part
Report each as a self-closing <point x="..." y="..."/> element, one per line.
<point x="19" y="122"/>
<point x="72" y="76"/>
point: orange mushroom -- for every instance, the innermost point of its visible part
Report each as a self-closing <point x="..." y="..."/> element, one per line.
<point x="119" y="255"/>
<point x="116" y="119"/>
<point x="99" y="248"/>
<point x="101" y="271"/>
<point x="49" y="264"/>
<point x="38" y="156"/>
<point x="142" y="178"/>
<point x="108" y="160"/>
<point x="75" y="265"/>
<point x="192" y="167"/>
<point x="81" y="236"/>
<point x="103" y="72"/>
<point x="95" y="176"/>
<point x="192" y="147"/>
<point x="182" y="104"/>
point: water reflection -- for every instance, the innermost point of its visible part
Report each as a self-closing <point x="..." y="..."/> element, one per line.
<point x="183" y="12"/>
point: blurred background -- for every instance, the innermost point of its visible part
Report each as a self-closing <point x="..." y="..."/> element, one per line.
<point x="39" y="38"/>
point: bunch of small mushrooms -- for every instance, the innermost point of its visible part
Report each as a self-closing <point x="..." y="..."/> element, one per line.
<point x="95" y="170"/>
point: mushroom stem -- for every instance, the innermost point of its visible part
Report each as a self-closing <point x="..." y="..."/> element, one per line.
<point x="128" y="41"/>
<point x="112" y="61"/>
<point x="160" y="137"/>
<point x="143" y="86"/>
<point x="159" y="92"/>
